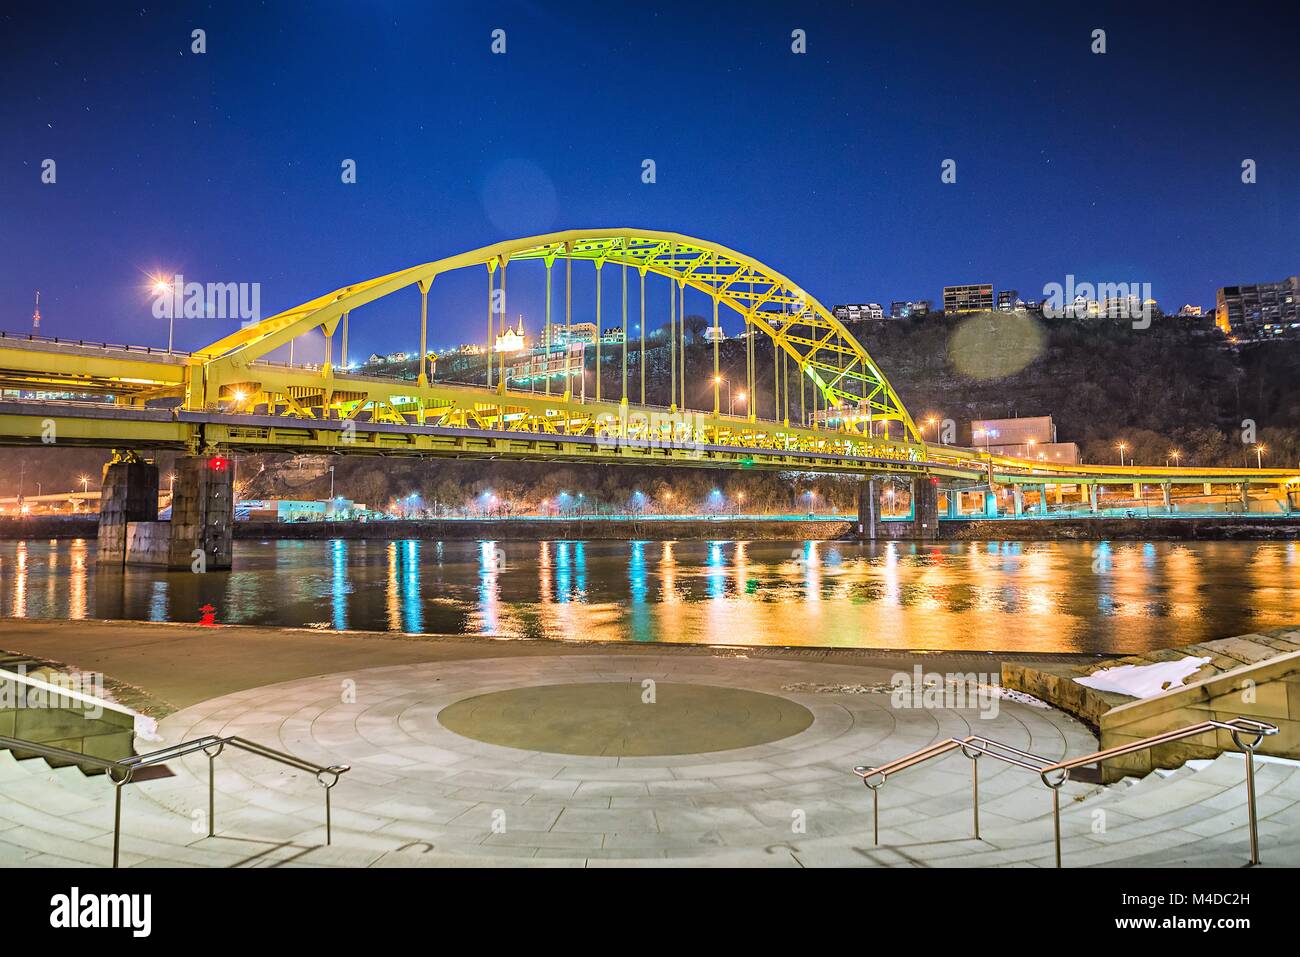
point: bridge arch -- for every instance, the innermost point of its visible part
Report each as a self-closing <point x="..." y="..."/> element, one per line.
<point x="828" y="359"/>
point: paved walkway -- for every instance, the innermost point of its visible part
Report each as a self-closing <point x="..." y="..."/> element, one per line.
<point x="420" y="794"/>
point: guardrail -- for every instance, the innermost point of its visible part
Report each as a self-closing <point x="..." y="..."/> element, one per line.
<point x="974" y="747"/>
<point x="121" y="772"/>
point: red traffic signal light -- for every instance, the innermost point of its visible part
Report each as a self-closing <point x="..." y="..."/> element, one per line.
<point x="218" y="463"/>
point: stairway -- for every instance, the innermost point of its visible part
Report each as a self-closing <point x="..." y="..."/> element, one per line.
<point x="1191" y="817"/>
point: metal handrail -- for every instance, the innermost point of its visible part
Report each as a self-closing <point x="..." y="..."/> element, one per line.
<point x="122" y="771"/>
<point x="974" y="746"/>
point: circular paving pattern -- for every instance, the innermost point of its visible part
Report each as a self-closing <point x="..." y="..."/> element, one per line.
<point x="626" y="718"/>
<point x="420" y="793"/>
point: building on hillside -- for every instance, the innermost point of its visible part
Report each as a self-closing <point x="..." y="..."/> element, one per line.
<point x="858" y="312"/>
<point x="613" y="336"/>
<point x="1191" y="312"/>
<point x="1027" y="437"/>
<point x="577" y="332"/>
<point x="512" y="340"/>
<point x="1009" y="300"/>
<point x="534" y="367"/>
<point x="906" y="308"/>
<point x="1263" y="311"/>
<point x="975" y="297"/>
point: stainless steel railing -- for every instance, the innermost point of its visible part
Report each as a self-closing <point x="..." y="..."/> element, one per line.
<point x="121" y="771"/>
<point x="974" y="747"/>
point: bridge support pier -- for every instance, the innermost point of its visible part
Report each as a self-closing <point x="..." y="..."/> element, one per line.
<point x="129" y="495"/>
<point x="203" y="512"/>
<point x="925" y="507"/>
<point x="1042" y="500"/>
<point x="1167" y="495"/>
<point x="925" y="512"/>
<point x="198" y="537"/>
<point x="1245" y="496"/>
<point x="1093" y="498"/>
<point x="1018" y="501"/>
<point x="869" y="510"/>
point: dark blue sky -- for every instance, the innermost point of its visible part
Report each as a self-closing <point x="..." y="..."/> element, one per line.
<point x="225" y="166"/>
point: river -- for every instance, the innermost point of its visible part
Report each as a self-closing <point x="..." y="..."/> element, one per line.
<point x="993" y="596"/>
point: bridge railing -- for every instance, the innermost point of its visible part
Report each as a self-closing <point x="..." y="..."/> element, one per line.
<point x="90" y="344"/>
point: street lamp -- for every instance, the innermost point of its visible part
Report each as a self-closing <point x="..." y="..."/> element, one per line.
<point x="162" y="287"/>
<point x="1175" y="455"/>
<point x="934" y="420"/>
<point x="85" y="483"/>
<point x="988" y="451"/>
<point x="720" y="380"/>
<point x="1260" y="449"/>
<point x="1122" y="447"/>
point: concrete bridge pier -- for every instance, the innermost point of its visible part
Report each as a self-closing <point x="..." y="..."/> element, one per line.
<point x="869" y="510"/>
<point x="203" y="513"/>
<point x="925" y="507"/>
<point x="1167" y="495"/>
<point x="925" y="512"/>
<point x="1245" y="496"/>
<point x="129" y="495"/>
<point x="198" y="536"/>
<point x="1093" y="498"/>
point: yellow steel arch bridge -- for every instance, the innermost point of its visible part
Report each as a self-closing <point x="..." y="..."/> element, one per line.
<point x="232" y="396"/>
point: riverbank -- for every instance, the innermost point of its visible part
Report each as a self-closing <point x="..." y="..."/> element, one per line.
<point x="1167" y="528"/>
<point x="158" y="668"/>
<point x="529" y="529"/>
<point x="708" y="528"/>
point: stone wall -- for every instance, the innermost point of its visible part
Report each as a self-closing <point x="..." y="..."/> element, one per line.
<point x="1268" y="691"/>
<point x="1270" y="661"/>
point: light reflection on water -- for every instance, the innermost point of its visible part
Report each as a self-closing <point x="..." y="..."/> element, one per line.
<point x="1004" y="596"/>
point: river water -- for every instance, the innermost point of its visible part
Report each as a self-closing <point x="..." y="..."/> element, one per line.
<point x="1002" y="596"/>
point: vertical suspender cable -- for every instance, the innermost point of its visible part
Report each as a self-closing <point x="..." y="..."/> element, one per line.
<point x="546" y="353"/>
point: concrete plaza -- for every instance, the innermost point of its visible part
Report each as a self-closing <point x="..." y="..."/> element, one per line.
<point x="420" y="793"/>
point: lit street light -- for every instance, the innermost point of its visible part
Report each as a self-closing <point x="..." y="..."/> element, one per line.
<point x="1260" y="449"/>
<point x="162" y="287"/>
<point x="1122" y="447"/>
<point x="721" y="380"/>
<point x="1175" y="455"/>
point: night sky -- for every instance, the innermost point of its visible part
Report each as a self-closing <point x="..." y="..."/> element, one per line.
<point x="225" y="166"/>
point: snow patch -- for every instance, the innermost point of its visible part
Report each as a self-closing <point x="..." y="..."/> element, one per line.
<point x="1144" y="681"/>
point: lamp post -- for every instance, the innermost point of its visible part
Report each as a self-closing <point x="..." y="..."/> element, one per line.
<point x="161" y="287"/>
<point x="721" y="380"/>
<point x="988" y="451"/>
<point x="1122" y="447"/>
<point x="1260" y="449"/>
